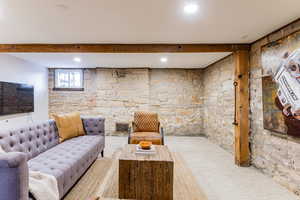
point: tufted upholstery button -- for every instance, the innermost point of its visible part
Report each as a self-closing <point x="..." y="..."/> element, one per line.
<point x="11" y="144"/>
<point x="30" y="140"/>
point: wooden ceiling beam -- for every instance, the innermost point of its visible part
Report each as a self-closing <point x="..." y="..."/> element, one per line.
<point x="121" y="48"/>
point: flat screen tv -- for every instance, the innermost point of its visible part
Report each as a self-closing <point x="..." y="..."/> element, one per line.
<point x="16" y="98"/>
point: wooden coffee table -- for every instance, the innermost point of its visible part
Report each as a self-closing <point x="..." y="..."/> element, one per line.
<point x="146" y="176"/>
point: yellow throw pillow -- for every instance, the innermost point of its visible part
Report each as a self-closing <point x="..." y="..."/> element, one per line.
<point x="69" y="126"/>
<point x="78" y="124"/>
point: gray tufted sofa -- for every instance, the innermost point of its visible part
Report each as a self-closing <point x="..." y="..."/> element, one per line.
<point x="37" y="148"/>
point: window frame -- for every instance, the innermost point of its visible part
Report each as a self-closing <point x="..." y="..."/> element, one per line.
<point x="56" y="70"/>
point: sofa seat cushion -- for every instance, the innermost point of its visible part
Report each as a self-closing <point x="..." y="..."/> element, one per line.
<point x="153" y="137"/>
<point x="68" y="160"/>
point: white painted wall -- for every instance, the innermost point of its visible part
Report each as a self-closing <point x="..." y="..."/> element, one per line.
<point x="13" y="69"/>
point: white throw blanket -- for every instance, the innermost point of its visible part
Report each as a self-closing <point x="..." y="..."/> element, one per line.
<point x="1" y="150"/>
<point x="41" y="186"/>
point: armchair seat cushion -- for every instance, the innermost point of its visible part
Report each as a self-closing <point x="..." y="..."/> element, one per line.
<point x="137" y="137"/>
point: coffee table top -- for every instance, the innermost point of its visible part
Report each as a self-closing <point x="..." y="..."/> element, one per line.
<point x="162" y="153"/>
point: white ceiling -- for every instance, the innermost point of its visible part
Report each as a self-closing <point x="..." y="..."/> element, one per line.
<point x="122" y="60"/>
<point x="142" y="21"/>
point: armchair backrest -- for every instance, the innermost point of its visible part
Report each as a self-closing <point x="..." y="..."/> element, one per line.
<point x="145" y="122"/>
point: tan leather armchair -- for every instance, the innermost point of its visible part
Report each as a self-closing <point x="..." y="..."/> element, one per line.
<point x="146" y="127"/>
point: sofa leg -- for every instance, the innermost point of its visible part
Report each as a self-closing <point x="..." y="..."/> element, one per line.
<point x="102" y="153"/>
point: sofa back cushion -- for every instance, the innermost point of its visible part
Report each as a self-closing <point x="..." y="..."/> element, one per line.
<point x="94" y="125"/>
<point x="32" y="140"/>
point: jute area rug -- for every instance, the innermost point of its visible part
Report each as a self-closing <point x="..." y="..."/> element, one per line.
<point x="101" y="180"/>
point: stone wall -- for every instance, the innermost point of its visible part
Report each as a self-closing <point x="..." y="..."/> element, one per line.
<point x="175" y="94"/>
<point x="218" y="93"/>
<point x="276" y="156"/>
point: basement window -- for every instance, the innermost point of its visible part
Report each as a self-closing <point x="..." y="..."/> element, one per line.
<point x="68" y="80"/>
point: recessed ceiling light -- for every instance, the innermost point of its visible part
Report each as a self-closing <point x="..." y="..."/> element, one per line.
<point x="191" y="8"/>
<point x="163" y="59"/>
<point x="77" y="59"/>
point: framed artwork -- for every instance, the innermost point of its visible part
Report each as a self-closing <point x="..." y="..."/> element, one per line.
<point x="281" y="85"/>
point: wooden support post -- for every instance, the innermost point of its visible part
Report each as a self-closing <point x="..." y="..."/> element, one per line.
<point x="242" y="152"/>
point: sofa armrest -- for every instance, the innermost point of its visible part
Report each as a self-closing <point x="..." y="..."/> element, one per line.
<point x="94" y="125"/>
<point x="14" y="176"/>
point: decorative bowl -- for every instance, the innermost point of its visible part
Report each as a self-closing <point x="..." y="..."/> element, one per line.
<point x="145" y="145"/>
